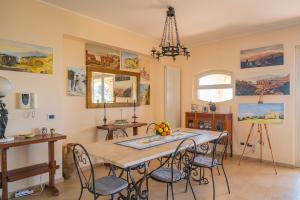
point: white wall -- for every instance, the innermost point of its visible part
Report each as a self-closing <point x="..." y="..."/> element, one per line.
<point x="225" y="55"/>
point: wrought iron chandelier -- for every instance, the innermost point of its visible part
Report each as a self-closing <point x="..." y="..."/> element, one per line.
<point x="170" y="43"/>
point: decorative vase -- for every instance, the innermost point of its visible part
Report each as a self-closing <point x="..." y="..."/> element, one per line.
<point x="212" y="107"/>
<point x="69" y="170"/>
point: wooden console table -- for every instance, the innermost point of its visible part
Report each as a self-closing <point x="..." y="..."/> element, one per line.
<point x="26" y="172"/>
<point x="110" y="128"/>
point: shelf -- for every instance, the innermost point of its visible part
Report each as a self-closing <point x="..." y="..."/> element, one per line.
<point x="26" y="172"/>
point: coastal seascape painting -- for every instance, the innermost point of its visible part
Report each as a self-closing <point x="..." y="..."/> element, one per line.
<point x="129" y="61"/>
<point x="262" y="57"/>
<point x="261" y="113"/>
<point x="102" y="56"/>
<point x="22" y="57"/>
<point x="269" y="83"/>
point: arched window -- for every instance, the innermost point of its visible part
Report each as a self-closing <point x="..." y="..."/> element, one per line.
<point x="214" y="86"/>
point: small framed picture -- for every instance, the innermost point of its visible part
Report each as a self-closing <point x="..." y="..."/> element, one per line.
<point x="24" y="100"/>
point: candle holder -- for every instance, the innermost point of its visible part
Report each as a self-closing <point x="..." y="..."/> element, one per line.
<point x="134" y="115"/>
<point x="104" y="117"/>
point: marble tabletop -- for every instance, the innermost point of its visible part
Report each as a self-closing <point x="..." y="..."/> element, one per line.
<point x="124" y="157"/>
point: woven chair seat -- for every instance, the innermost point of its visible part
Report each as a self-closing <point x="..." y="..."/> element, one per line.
<point x="204" y="161"/>
<point x="165" y="175"/>
<point x="109" y="185"/>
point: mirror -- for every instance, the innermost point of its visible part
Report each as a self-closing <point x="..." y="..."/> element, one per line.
<point x="114" y="87"/>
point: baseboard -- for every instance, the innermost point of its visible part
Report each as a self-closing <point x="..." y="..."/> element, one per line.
<point x="280" y="164"/>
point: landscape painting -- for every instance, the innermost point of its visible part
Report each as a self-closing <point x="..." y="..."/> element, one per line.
<point x="129" y="61"/>
<point x="22" y="57"/>
<point x="269" y="83"/>
<point x="102" y="56"/>
<point x="144" y="65"/>
<point x="123" y="89"/>
<point x="261" y="113"/>
<point x="144" y="94"/>
<point x="76" y="81"/>
<point x="262" y="57"/>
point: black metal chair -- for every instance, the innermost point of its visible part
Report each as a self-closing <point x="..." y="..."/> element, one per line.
<point x="178" y="169"/>
<point x="215" y="160"/>
<point x="104" y="186"/>
<point x="151" y="128"/>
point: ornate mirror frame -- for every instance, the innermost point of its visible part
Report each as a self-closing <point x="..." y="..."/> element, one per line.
<point x="90" y="104"/>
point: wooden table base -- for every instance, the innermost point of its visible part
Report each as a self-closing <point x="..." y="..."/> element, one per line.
<point x="260" y="131"/>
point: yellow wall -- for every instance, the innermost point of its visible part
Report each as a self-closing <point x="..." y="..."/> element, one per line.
<point x="225" y="55"/>
<point x="33" y="22"/>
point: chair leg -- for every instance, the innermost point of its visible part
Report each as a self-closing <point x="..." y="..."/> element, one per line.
<point x="80" y="193"/>
<point x="213" y="181"/>
<point x="172" y="191"/>
<point x="186" y="185"/>
<point x="167" y="191"/>
<point x="147" y="186"/>
<point x="218" y="170"/>
<point x="200" y="175"/>
<point x="226" y="179"/>
<point x="189" y="180"/>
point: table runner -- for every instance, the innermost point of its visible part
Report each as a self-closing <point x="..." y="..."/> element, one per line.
<point x="156" y="140"/>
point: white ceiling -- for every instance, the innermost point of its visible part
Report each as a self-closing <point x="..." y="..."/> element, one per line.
<point x="199" y="21"/>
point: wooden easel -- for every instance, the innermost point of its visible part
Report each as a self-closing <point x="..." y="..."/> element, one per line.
<point x="260" y="131"/>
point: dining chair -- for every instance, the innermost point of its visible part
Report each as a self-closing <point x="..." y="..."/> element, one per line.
<point x="176" y="171"/>
<point x="215" y="159"/>
<point x="151" y="128"/>
<point x="104" y="186"/>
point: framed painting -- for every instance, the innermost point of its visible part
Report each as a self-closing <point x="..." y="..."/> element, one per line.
<point x="261" y="113"/>
<point x="144" y="94"/>
<point x="144" y="65"/>
<point x="262" y="57"/>
<point x="129" y="61"/>
<point x="76" y="81"/>
<point x="23" y="57"/>
<point x="97" y="55"/>
<point x="269" y="83"/>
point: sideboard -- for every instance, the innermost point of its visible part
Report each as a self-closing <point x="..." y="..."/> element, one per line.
<point x="211" y="121"/>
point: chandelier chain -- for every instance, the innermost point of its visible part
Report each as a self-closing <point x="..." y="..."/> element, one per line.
<point x="170" y="43"/>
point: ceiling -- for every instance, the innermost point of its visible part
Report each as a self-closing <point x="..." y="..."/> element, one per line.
<point x="199" y="21"/>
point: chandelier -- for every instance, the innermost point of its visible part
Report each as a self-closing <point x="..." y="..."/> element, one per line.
<point x="170" y="43"/>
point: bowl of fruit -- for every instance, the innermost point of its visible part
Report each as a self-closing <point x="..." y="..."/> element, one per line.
<point x="163" y="129"/>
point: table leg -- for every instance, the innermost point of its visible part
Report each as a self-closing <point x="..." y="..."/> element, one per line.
<point x="135" y="130"/>
<point x="135" y="188"/>
<point x="110" y="135"/>
<point x="52" y="169"/>
<point x="4" y="174"/>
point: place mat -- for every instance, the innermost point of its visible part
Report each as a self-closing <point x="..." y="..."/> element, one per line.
<point x="156" y="140"/>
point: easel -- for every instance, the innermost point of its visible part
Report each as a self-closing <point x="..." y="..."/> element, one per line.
<point x="260" y="131"/>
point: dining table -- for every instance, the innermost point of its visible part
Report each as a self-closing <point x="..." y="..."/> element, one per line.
<point x="130" y="152"/>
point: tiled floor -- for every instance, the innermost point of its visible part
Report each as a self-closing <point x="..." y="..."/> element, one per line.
<point x="251" y="180"/>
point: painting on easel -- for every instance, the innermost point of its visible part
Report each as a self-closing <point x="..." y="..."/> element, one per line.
<point x="266" y="113"/>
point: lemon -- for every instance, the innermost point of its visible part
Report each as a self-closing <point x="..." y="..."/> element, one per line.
<point x="160" y="130"/>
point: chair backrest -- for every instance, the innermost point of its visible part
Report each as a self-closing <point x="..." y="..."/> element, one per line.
<point x="182" y="157"/>
<point x="220" y="146"/>
<point x="84" y="166"/>
<point x="151" y="128"/>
